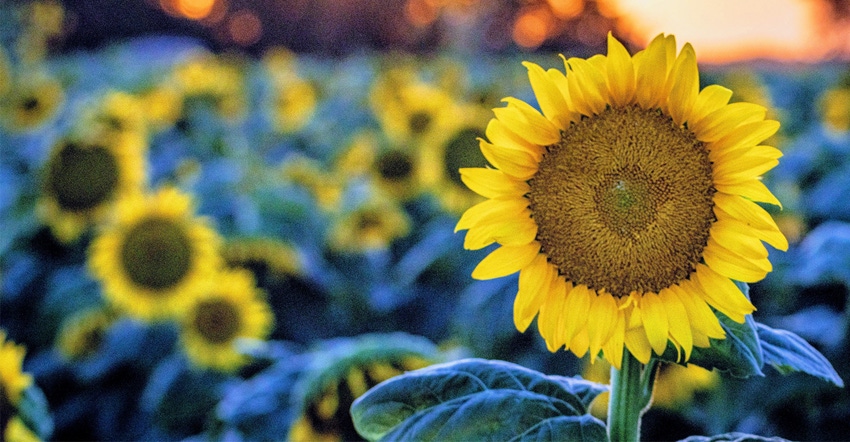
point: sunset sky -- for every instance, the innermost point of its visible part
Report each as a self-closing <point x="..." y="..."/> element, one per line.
<point x="730" y="30"/>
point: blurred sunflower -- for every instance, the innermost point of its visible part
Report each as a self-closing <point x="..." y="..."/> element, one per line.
<point x="310" y="174"/>
<point x="31" y="102"/>
<point x="266" y="258"/>
<point x="118" y="118"/>
<point x="212" y="80"/>
<point x="326" y="412"/>
<point x="373" y="225"/>
<point x="82" y="334"/>
<point x="230" y="309"/>
<point x="291" y="104"/>
<point x="156" y="256"/>
<point x="410" y="111"/>
<point x="5" y="72"/>
<point x="628" y="206"/>
<point x="162" y="106"/>
<point x="834" y="107"/>
<point x="82" y="179"/>
<point x="447" y="152"/>
<point x="13" y="382"/>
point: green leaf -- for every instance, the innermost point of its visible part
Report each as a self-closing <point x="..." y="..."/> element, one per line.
<point x="733" y="437"/>
<point x="788" y="353"/>
<point x="740" y="354"/>
<point x="475" y="399"/>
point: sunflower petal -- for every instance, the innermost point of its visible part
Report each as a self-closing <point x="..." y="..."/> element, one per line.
<point x="722" y="293"/>
<point x="505" y="260"/>
<point x="613" y="349"/>
<point x="677" y="320"/>
<point x="484" y="211"/>
<point x="654" y="319"/>
<point x="603" y="314"/>
<point x="534" y="282"/>
<point x="578" y="309"/>
<point x="745" y="135"/>
<point x="517" y="163"/>
<point x="492" y="183"/>
<point x="587" y="87"/>
<point x="752" y="189"/>
<point x="683" y="83"/>
<point x="651" y="72"/>
<point x="550" y="315"/>
<point x="733" y="265"/>
<point x="548" y="95"/>
<point x="710" y="99"/>
<point x="703" y="321"/>
<point x="620" y="73"/>
<point x="722" y="121"/>
<point x="527" y="122"/>
<point x="500" y="135"/>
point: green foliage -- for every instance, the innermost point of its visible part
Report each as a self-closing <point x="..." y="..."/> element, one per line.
<point x="34" y="412"/>
<point x="789" y="353"/>
<point x="476" y="399"/>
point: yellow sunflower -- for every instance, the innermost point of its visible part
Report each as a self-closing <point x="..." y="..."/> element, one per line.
<point x="372" y="226"/>
<point x="81" y="335"/>
<point x="156" y="255"/>
<point x="118" y="118"/>
<point x="230" y="309"/>
<point x="216" y="81"/>
<point x="409" y="111"/>
<point x="443" y="155"/>
<point x="326" y="416"/>
<point x="292" y="103"/>
<point x="83" y="178"/>
<point x="31" y="102"/>
<point x="273" y="258"/>
<point x="628" y="206"/>
<point x="13" y="381"/>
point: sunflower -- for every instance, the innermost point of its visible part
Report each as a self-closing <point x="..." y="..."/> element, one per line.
<point x="410" y="110"/>
<point x="292" y="103"/>
<point x="628" y="206"/>
<point x="267" y="258"/>
<point x="156" y="255"/>
<point x="82" y="179"/>
<point x="31" y="102"/>
<point x="13" y="382"/>
<point x="119" y="118"/>
<point x="449" y="151"/>
<point x="374" y="225"/>
<point x="230" y="309"/>
<point x="5" y="72"/>
<point x="82" y="334"/>
<point x="326" y="415"/>
<point x="212" y="80"/>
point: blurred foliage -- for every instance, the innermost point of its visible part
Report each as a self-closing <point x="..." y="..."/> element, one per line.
<point x="287" y="157"/>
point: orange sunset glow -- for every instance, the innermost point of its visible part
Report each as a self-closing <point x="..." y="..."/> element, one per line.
<point x="732" y="30"/>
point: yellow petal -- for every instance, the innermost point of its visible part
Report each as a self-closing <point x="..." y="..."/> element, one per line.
<point x="613" y="349"/>
<point x="534" y="282"/>
<point x="770" y="235"/>
<point x="710" y="99"/>
<point x="742" y="168"/>
<point x="703" y="321"/>
<point x="512" y="230"/>
<point x="745" y="135"/>
<point x="752" y="189"/>
<point x="683" y="84"/>
<point x="550" y="314"/>
<point x="722" y="121"/>
<point x="651" y="73"/>
<point x="677" y="320"/>
<point x="522" y="119"/>
<point x="620" y="73"/>
<point x="499" y="134"/>
<point x="722" y="293"/>
<point x="505" y="260"/>
<point x="654" y="319"/>
<point x="517" y="163"/>
<point x="492" y="183"/>
<point x="728" y="234"/>
<point x="733" y="265"/>
<point x="548" y="95"/>
<point x="587" y="87"/>
<point x="638" y="345"/>
<point x="602" y="319"/>
<point x="577" y="306"/>
<point x="486" y="210"/>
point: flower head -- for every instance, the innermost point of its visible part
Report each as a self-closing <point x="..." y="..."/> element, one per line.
<point x="156" y="256"/>
<point x="628" y="206"/>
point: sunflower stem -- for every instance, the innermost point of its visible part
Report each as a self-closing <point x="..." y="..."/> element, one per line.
<point x="631" y="393"/>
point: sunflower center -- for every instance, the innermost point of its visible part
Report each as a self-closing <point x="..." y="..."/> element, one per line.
<point x="156" y="254"/>
<point x="82" y="178"/>
<point x="419" y="122"/>
<point x="217" y="321"/>
<point x="394" y="165"/>
<point x="624" y="202"/>
<point x="462" y="151"/>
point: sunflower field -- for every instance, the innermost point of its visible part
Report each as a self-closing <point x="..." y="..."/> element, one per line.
<point x="210" y="245"/>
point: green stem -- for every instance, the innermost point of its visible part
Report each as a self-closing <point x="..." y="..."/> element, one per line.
<point x="631" y="392"/>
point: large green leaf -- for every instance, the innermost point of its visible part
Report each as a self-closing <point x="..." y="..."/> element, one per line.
<point x="476" y="399"/>
<point x="788" y="353"/>
<point x="740" y="354"/>
<point x="733" y="437"/>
